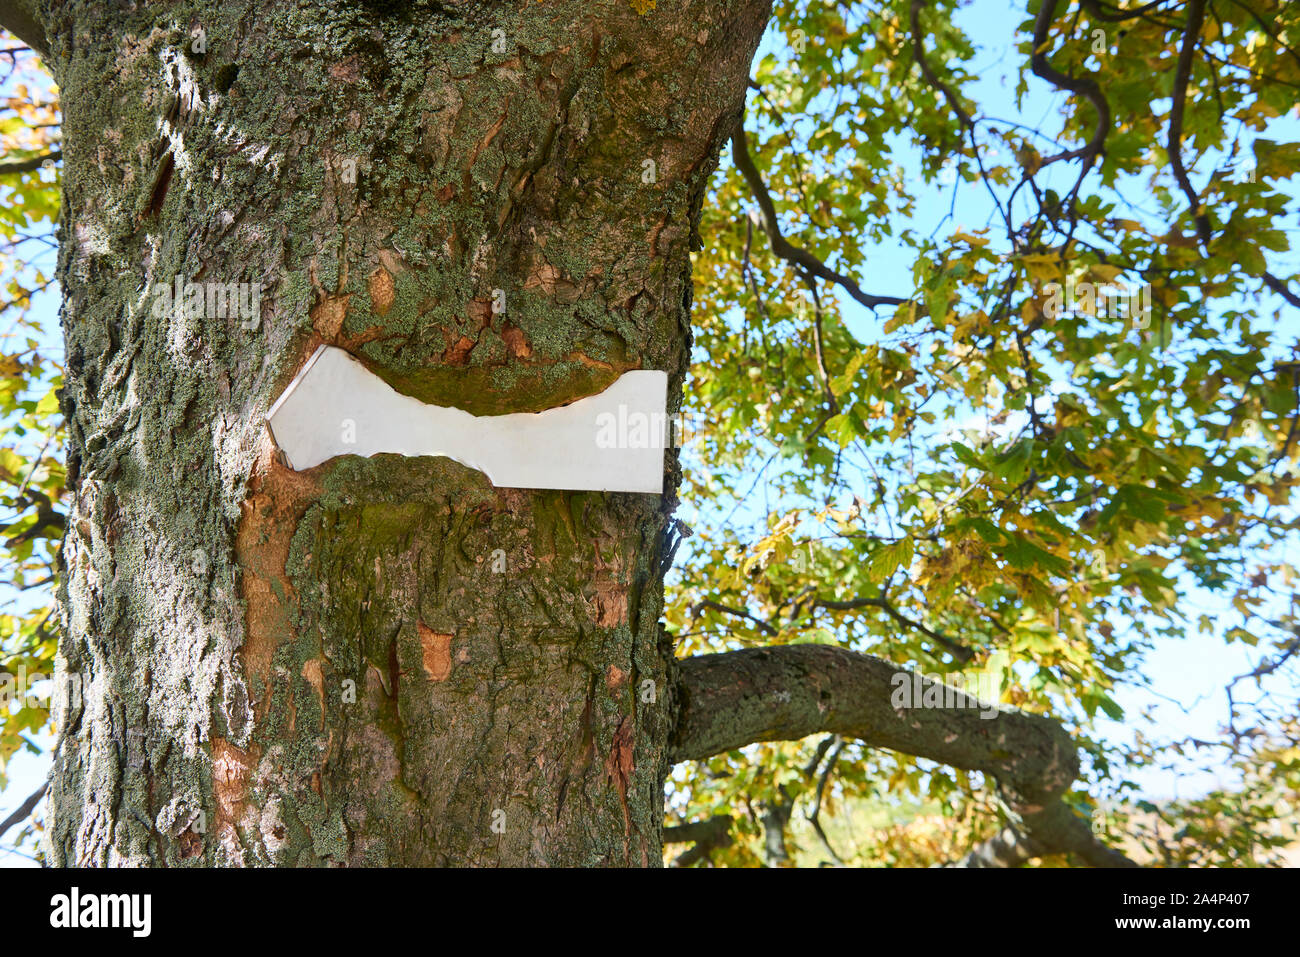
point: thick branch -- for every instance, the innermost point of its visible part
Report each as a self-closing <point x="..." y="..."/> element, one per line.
<point x="1054" y="830"/>
<point x="710" y="830"/>
<point x="1010" y="848"/>
<point x="776" y="817"/>
<point x="19" y="18"/>
<point x="785" y="693"/>
<point x="780" y="245"/>
<point x="704" y="835"/>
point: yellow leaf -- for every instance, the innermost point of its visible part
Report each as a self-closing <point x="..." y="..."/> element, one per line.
<point x="906" y="313"/>
<point x="1044" y="267"/>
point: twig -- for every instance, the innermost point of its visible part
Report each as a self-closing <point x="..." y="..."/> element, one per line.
<point x="718" y="606"/>
<point x="958" y="651"/>
<point x="815" y="817"/>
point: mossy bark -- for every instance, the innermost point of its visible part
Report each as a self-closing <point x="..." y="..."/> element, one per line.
<point x="380" y="661"/>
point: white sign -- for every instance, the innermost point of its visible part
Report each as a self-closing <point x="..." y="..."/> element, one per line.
<point x="612" y="442"/>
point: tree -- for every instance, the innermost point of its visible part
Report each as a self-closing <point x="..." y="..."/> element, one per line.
<point x="390" y="661"/>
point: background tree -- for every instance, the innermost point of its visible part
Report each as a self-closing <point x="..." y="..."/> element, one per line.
<point x="31" y="469"/>
<point x="328" y="667"/>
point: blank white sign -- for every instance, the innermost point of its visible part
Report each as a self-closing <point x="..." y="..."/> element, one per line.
<point x="612" y="442"/>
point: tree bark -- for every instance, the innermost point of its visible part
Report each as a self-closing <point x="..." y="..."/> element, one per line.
<point x="379" y="661"/>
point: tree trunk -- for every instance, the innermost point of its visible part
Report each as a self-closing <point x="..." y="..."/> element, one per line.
<point x="378" y="661"/>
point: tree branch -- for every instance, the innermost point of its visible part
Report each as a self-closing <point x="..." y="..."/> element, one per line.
<point x="1117" y="15"/>
<point x="776" y="817"/>
<point x="705" y="835"/>
<point x="1081" y="86"/>
<point x="709" y="603"/>
<point x="792" y="254"/>
<point x="957" y="650"/>
<point x="967" y="122"/>
<point x="1013" y="846"/>
<point x="29" y="165"/>
<point x="1182" y="76"/>
<point x="1191" y="35"/>
<point x="932" y="78"/>
<point x="1010" y="848"/>
<point x="24" y="810"/>
<point x="788" y="692"/>
<point x="814" y="818"/>
<point x="19" y="18"/>
<point x="1280" y="287"/>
